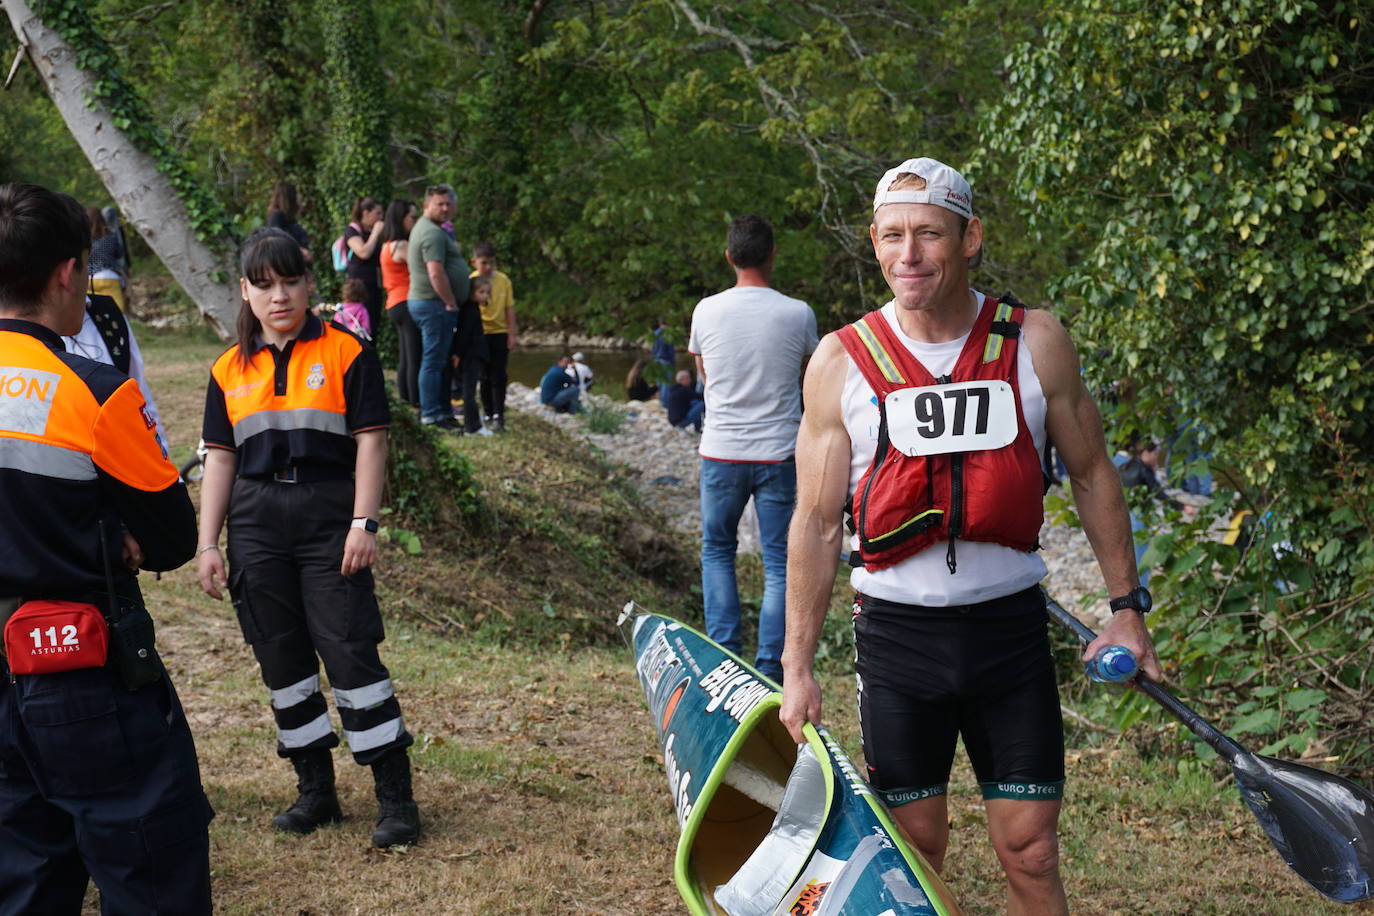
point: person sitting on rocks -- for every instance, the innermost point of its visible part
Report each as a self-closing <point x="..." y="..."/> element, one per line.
<point x="580" y="372"/>
<point x="637" y="388"/>
<point x="558" y="390"/>
<point x="684" y="403"/>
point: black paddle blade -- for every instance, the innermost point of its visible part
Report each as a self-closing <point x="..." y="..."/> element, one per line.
<point x="1322" y="825"/>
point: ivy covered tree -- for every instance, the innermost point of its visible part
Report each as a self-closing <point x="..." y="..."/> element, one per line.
<point x="1210" y="170"/>
<point x="356" y="162"/>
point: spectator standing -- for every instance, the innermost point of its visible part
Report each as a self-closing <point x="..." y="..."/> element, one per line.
<point x="363" y="239"/>
<point x="665" y="354"/>
<point x="438" y="282"/>
<point x="107" y="253"/>
<point x="750" y="343"/>
<point x="470" y="353"/>
<point x="498" y="324"/>
<point x="98" y="771"/>
<point x="557" y="389"/>
<point x="284" y="213"/>
<point x="685" y="405"/>
<point x="400" y="220"/>
<point x="116" y="225"/>
<point x="106" y="337"/>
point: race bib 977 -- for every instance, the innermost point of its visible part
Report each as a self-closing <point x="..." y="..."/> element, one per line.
<point x="958" y="417"/>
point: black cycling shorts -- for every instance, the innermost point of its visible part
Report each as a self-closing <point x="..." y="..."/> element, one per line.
<point x="983" y="672"/>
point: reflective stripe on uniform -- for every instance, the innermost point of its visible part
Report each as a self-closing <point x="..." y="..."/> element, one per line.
<point x="307" y="734"/>
<point x="378" y="735"/>
<point x="45" y="460"/>
<point x="300" y="418"/>
<point x="299" y="692"/>
<point x="363" y="697"/>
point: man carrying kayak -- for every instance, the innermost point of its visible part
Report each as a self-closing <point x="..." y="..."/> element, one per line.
<point x="925" y="421"/>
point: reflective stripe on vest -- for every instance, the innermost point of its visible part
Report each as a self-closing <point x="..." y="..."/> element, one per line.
<point x="300" y="418"/>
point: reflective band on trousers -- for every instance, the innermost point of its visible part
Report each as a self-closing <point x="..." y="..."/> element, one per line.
<point x="376" y="736"/>
<point x="363" y="697"/>
<point x="299" y="692"/>
<point x="45" y="460"/>
<point x="326" y="421"/>
<point x="310" y="732"/>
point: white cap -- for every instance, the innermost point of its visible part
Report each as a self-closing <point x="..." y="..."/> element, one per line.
<point x="944" y="187"/>
<point x="577" y="357"/>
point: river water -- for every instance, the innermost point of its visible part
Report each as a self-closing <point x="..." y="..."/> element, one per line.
<point x="528" y="365"/>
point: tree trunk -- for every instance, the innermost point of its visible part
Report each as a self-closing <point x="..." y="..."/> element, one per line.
<point x="145" y="198"/>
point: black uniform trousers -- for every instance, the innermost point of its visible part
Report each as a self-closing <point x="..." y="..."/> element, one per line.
<point x="494" y="375"/>
<point x="100" y="781"/>
<point x="286" y="543"/>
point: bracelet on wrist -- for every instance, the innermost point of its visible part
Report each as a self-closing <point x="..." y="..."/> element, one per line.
<point x="200" y="550"/>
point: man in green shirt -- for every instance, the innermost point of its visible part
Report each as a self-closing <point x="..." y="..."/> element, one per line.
<point x="438" y="283"/>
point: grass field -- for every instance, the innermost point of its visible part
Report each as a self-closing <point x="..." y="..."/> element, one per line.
<point x="538" y="775"/>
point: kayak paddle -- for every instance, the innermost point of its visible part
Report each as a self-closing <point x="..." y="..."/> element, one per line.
<point x="1322" y="825"/>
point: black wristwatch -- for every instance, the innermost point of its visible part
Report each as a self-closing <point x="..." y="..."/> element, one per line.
<point x="367" y="524"/>
<point x="1137" y="599"/>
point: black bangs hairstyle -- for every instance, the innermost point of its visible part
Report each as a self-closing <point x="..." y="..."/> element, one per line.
<point x="265" y="251"/>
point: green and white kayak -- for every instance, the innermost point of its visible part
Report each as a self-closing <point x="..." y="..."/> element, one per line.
<point x="769" y="827"/>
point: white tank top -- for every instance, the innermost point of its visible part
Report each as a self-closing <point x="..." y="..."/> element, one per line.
<point x="985" y="570"/>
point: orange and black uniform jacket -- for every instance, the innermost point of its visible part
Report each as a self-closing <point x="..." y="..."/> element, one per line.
<point x="297" y="407"/>
<point x="78" y="447"/>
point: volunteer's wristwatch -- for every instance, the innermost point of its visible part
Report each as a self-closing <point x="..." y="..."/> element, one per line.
<point x="369" y="525"/>
<point x="1137" y="599"/>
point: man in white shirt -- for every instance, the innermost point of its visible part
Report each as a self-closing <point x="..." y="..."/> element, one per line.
<point x="751" y="344"/>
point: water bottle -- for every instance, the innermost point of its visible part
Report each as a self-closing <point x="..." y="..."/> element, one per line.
<point x="1112" y="665"/>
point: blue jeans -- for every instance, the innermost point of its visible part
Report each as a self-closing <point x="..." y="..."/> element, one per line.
<point x="437" y="325"/>
<point x="694" y="415"/>
<point x="566" y="401"/>
<point x="725" y="490"/>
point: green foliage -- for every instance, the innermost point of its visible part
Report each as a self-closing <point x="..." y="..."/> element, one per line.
<point x="1210" y="170"/>
<point x="355" y="164"/>
<point x="428" y="483"/>
<point x="130" y="114"/>
<point x="601" y="416"/>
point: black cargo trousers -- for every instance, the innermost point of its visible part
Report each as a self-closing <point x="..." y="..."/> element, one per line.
<point x="286" y="544"/>
<point x="99" y="780"/>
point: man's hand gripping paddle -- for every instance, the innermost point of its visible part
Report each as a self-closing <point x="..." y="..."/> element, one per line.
<point x="1322" y="825"/>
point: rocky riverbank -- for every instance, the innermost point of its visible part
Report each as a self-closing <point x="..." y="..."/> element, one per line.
<point x="665" y="460"/>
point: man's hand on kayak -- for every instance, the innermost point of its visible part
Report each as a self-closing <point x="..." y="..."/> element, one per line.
<point x="801" y="703"/>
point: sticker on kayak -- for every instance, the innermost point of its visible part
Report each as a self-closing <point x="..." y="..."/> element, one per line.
<point x="957" y="417"/>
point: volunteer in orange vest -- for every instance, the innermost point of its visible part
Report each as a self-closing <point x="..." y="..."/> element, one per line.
<point x="925" y="420"/>
<point x="295" y="422"/>
<point x="98" y="773"/>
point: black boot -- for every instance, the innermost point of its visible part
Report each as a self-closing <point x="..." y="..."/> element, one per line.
<point x="398" y="819"/>
<point x="317" y="803"/>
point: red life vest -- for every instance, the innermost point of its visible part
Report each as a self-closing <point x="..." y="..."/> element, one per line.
<point x="904" y="504"/>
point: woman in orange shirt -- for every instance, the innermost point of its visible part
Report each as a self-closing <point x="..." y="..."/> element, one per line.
<point x="400" y="219"/>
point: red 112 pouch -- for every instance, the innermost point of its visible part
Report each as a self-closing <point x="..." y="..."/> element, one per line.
<point x="45" y="637"/>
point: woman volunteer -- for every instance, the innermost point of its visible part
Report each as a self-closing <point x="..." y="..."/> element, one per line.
<point x="295" y="421"/>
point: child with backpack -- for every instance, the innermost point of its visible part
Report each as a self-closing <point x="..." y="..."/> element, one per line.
<point x="351" y="314"/>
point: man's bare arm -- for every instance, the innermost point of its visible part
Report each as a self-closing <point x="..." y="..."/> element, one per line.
<point x="816" y="534"/>
<point x="439" y="280"/>
<point x="1074" y="425"/>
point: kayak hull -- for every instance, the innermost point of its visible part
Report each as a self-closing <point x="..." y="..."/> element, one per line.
<point x="769" y="827"/>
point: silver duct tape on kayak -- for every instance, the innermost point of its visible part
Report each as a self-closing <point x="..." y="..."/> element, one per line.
<point x="769" y="828"/>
